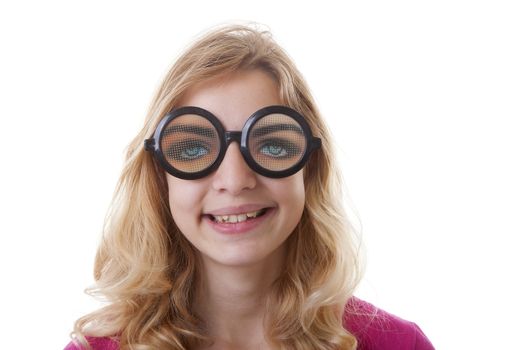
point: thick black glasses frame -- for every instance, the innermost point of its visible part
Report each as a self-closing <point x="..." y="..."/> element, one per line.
<point x="153" y="144"/>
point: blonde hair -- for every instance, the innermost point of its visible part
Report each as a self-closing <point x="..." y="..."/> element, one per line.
<point x="147" y="270"/>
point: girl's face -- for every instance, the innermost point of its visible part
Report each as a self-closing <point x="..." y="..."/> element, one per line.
<point x="234" y="216"/>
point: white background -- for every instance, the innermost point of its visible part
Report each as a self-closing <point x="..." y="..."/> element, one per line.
<point x="414" y="93"/>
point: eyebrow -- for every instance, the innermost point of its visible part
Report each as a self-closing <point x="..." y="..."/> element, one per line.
<point x="261" y="131"/>
<point x="191" y="129"/>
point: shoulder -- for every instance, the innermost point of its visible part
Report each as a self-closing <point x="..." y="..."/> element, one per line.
<point x="104" y="343"/>
<point x="377" y="329"/>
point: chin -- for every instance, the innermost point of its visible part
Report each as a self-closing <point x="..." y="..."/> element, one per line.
<point x="237" y="260"/>
<point x="249" y="257"/>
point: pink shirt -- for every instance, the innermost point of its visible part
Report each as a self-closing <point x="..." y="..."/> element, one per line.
<point x="374" y="328"/>
<point x="377" y="329"/>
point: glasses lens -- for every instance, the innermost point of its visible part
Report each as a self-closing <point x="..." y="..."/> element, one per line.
<point x="190" y="143"/>
<point x="277" y="142"/>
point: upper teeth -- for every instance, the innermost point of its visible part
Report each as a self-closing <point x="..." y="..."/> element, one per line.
<point x="236" y="218"/>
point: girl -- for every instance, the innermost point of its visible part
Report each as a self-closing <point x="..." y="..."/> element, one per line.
<point x="227" y="229"/>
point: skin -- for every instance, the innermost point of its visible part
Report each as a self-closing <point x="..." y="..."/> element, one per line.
<point x="239" y="268"/>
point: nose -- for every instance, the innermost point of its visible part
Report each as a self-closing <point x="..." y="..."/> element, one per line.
<point x="233" y="174"/>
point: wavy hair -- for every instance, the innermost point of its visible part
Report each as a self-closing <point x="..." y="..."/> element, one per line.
<point x="147" y="270"/>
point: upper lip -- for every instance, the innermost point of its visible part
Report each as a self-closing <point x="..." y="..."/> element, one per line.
<point x="235" y="210"/>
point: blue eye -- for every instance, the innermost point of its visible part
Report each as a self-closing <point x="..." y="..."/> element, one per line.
<point x="278" y="148"/>
<point x="193" y="153"/>
<point x="187" y="150"/>
<point x="273" y="151"/>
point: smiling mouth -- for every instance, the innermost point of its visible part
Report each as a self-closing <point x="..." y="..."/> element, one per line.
<point x="233" y="219"/>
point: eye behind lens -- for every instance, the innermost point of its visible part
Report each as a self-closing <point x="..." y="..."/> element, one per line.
<point x="186" y="151"/>
<point x="277" y="142"/>
<point x="278" y="148"/>
<point x="190" y="143"/>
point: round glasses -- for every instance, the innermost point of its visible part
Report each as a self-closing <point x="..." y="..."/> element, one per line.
<point x="190" y="142"/>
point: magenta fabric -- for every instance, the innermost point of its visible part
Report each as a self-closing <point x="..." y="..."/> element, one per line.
<point x="96" y="344"/>
<point x="377" y="329"/>
<point x="374" y="328"/>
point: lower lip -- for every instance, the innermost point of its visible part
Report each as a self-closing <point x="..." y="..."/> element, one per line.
<point x="239" y="227"/>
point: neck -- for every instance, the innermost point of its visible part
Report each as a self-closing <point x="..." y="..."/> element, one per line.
<point x="232" y="299"/>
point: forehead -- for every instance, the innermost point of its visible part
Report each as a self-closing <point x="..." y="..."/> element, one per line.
<point x="234" y="97"/>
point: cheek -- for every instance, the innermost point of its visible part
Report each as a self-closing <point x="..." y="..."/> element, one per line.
<point x="299" y="197"/>
<point x="184" y="198"/>
<point x="291" y="195"/>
